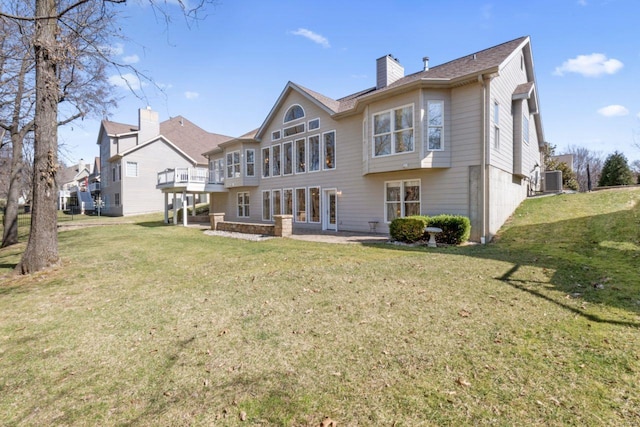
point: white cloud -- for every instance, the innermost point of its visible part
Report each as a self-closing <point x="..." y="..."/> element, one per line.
<point x="593" y="65"/>
<point x="131" y="59"/>
<point x="613" y="111"/>
<point x="487" y="12"/>
<point x="316" y="38"/>
<point x="582" y="2"/>
<point x="127" y="81"/>
<point x="191" y="95"/>
<point x="638" y="115"/>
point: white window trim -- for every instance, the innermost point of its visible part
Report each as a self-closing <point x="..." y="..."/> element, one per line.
<point x="317" y="119"/>
<point x="284" y="131"/>
<point x="295" y="205"/>
<point x="402" y="201"/>
<point x="296" y="160"/>
<point x="246" y="162"/>
<point x="268" y="211"/>
<point x="273" y="198"/>
<point x="441" y="102"/>
<point x="309" y="204"/>
<point x="284" y="158"/>
<point x="262" y="159"/>
<point x="233" y="164"/>
<point x="323" y="149"/>
<point x="392" y="131"/>
<point x="245" y="206"/>
<point x="278" y="137"/>
<point x="272" y="163"/>
<point x="304" y="114"/>
<point x="292" y="191"/>
<point x="320" y="159"/>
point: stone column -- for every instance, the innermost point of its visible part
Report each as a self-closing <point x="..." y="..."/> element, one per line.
<point x="283" y="226"/>
<point x="215" y="219"/>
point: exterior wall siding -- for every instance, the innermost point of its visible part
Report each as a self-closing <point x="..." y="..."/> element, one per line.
<point x="136" y="197"/>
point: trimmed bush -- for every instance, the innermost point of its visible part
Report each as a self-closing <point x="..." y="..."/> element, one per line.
<point x="409" y="229"/>
<point x="201" y="209"/>
<point x="456" y="229"/>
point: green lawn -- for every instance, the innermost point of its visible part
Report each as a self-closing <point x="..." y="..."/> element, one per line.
<point x="146" y="324"/>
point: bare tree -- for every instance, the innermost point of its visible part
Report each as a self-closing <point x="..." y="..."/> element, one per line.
<point x="583" y="158"/>
<point x="89" y="22"/>
<point x="83" y="89"/>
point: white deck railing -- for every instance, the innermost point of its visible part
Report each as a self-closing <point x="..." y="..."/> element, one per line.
<point x="186" y="176"/>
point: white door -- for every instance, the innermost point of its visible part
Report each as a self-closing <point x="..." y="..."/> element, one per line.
<point x="330" y="212"/>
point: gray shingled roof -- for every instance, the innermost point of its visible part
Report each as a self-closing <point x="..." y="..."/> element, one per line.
<point x="114" y="128"/>
<point x="188" y="137"/>
<point x="458" y="68"/>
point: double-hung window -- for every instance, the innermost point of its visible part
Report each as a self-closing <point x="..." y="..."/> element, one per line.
<point x="250" y="162"/>
<point x="243" y="204"/>
<point x="329" y="144"/>
<point x="435" y="126"/>
<point x="276" y="160"/>
<point x="266" y="157"/>
<point x="233" y="164"/>
<point x="393" y="131"/>
<point x="402" y="198"/>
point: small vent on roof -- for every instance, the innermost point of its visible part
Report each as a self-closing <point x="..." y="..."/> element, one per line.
<point x="425" y="60"/>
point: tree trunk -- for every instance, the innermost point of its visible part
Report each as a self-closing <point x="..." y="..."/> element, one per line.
<point x="42" y="248"/>
<point x="10" y="219"/>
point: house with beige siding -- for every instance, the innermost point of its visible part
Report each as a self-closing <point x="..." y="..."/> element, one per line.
<point x="131" y="156"/>
<point x="463" y="137"/>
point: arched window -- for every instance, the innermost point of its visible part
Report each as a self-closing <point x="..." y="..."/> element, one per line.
<point x="295" y="112"/>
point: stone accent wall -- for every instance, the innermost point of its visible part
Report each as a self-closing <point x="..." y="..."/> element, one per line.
<point x="282" y="228"/>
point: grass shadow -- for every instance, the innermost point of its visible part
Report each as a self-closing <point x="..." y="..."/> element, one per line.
<point x="594" y="259"/>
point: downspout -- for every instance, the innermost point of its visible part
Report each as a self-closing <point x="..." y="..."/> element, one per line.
<point x="484" y="176"/>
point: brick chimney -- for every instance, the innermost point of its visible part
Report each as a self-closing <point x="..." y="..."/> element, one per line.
<point x="148" y="124"/>
<point x="388" y="70"/>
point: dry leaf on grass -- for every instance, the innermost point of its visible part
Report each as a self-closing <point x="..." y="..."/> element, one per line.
<point x="464" y="383"/>
<point x="328" y="422"/>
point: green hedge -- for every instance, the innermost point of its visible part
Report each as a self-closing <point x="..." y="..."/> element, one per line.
<point x="455" y="228"/>
<point x="409" y="229"/>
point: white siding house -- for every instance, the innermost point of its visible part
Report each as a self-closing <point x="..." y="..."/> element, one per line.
<point x="131" y="156"/>
<point x="463" y="137"/>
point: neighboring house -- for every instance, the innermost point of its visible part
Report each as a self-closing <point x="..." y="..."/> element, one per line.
<point x="73" y="187"/>
<point x="464" y="137"/>
<point x="131" y="156"/>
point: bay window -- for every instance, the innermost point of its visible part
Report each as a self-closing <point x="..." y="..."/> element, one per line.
<point x="393" y="131"/>
<point x="435" y="126"/>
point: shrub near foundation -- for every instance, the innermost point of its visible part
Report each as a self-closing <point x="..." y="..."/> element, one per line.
<point x="408" y="229"/>
<point x="456" y="229"/>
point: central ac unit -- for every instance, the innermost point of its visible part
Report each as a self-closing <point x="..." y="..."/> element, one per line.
<point x="553" y="182"/>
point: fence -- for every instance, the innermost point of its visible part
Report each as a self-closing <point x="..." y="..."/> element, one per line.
<point x="24" y="218"/>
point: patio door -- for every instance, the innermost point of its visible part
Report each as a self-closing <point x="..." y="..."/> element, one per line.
<point x="330" y="211"/>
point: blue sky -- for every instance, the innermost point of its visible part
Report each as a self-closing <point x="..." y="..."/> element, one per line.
<point x="226" y="72"/>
